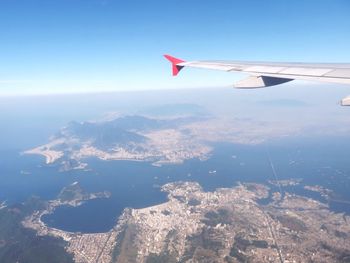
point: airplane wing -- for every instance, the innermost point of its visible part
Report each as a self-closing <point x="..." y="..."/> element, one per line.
<point x="265" y="74"/>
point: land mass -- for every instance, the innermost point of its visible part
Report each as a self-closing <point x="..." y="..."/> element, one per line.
<point x="226" y="225"/>
<point x="157" y="140"/>
<point x="20" y="244"/>
<point x="133" y="138"/>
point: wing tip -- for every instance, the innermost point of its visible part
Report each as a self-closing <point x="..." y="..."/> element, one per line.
<point x="174" y="62"/>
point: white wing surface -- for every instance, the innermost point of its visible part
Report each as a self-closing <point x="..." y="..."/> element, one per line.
<point x="264" y="74"/>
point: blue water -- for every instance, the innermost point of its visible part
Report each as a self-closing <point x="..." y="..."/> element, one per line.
<point x="22" y="176"/>
<point x="134" y="184"/>
<point x="321" y="161"/>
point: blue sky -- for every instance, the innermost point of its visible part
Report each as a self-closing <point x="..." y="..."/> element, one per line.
<point x="102" y="45"/>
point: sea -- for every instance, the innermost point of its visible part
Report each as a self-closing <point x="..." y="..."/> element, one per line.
<point x="317" y="160"/>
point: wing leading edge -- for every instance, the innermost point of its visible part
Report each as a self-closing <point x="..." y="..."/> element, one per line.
<point x="263" y="74"/>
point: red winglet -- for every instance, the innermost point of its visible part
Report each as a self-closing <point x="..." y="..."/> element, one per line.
<point x="175" y="62"/>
